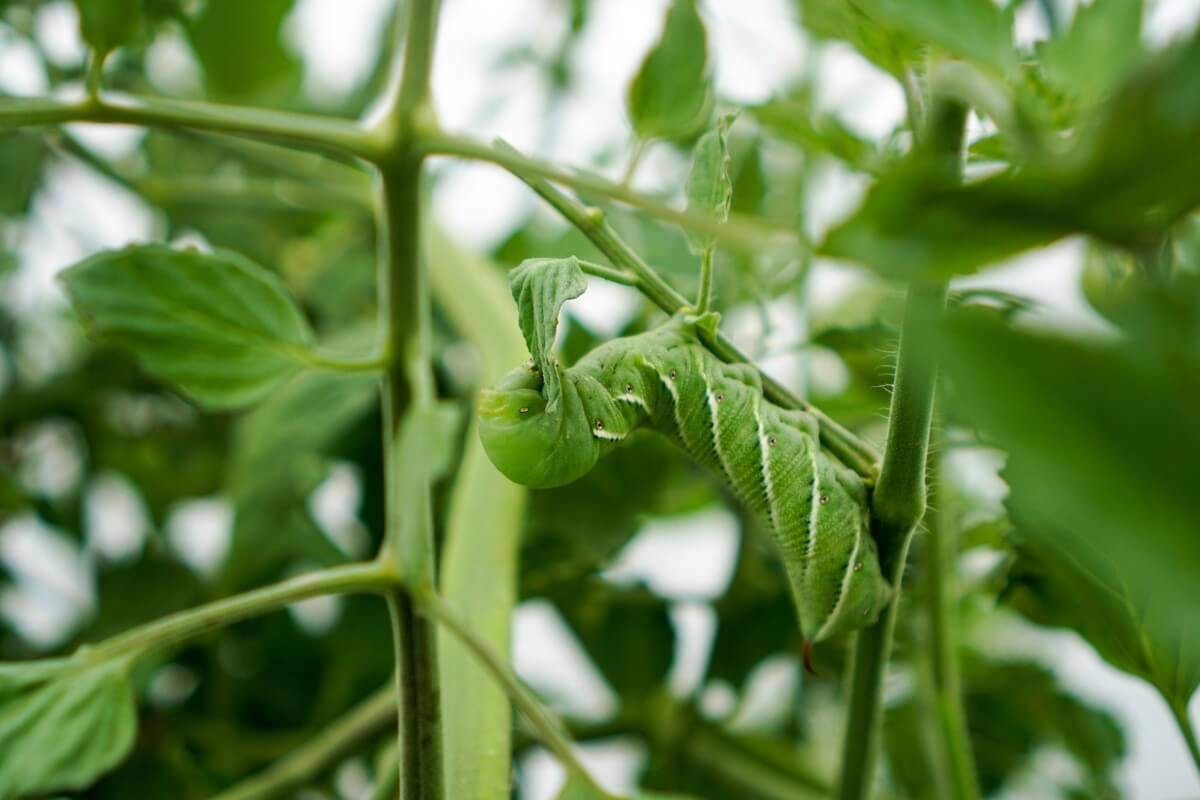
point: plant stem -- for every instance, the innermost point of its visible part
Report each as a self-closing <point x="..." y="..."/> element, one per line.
<point x="1179" y="711"/>
<point x="183" y="625"/>
<point x="550" y="730"/>
<point x="408" y="386"/>
<point x="304" y="130"/>
<point x="854" y="452"/>
<point x="609" y="273"/>
<point x="704" y="296"/>
<point x="898" y="501"/>
<point x="938" y="552"/>
<point x="343" y="737"/>
<point x="743" y="233"/>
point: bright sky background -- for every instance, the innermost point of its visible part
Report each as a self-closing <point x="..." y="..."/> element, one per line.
<point x="685" y="559"/>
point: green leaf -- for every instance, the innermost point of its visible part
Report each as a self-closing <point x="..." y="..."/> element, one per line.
<point x="427" y="450"/>
<point x="600" y="614"/>
<point x="242" y="49"/>
<point x="794" y="119"/>
<point x="1097" y="51"/>
<point x="107" y="24"/>
<point x="709" y="187"/>
<point x="671" y="95"/>
<point x="581" y="787"/>
<point x="851" y="21"/>
<point x="541" y="286"/>
<point x="62" y="724"/>
<point x="1128" y="174"/>
<point x="1103" y="448"/>
<point x="22" y="156"/>
<point x="974" y="30"/>
<point x="221" y="328"/>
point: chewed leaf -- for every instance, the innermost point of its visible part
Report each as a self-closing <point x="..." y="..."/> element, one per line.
<point x="218" y="326"/>
<point x="62" y="724"/>
<point x="541" y="286"/>
<point x="671" y="95"/>
<point x="709" y="187"/>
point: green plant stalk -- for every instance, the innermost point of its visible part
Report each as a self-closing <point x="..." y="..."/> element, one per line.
<point x="343" y="737"/>
<point x="704" y="296"/>
<point x="183" y="625"/>
<point x="898" y="501"/>
<point x="939" y="552"/>
<point x="741" y="232"/>
<point x="327" y="134"/>
<point x="408" y="384"/>
<point x="854" y="452"/>
<point x="486" y="515"/>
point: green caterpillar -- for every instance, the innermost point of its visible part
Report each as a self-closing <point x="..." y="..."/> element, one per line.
<point x="770" y="456"/>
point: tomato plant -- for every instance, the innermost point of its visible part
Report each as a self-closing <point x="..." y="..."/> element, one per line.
<point x="299" y="321"/>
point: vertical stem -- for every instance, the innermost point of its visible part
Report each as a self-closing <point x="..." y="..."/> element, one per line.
<point x="898" y="502"/>
<point x="939" y="552"/>
<point x="404" y="306"/>
<point x="704" y="297"/>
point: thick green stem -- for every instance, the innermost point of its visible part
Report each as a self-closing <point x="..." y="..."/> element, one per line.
<point x="304" y="130"/>
<point x="408" y="384"/>
<point x="939" y="557"/>
<point x="854" y="452"/>
<point x="184" y="625"/>
<point x="704" y="296"/>
<point x="898" y="502"/>
<point x="343" y="737"/>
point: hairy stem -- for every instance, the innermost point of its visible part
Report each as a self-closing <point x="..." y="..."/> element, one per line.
<point x="743" y="233"/>
<point x="408" y="385"/>
<point x="898" y="502"/>
<point x="704" y="296"/>
<point x="938" y="552"/>
<point x="343" y="737"/>
<point x="303" y="130"/>
<point x="854" y="452"/>
<point x="184" y="625"/>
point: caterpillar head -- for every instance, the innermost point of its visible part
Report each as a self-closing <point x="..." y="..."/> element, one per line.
<point x="534" y="444"/>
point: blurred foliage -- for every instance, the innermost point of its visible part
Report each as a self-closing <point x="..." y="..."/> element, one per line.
<point x="1089" y="133"/>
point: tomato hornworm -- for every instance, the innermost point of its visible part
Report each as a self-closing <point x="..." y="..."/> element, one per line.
<point x="545" y="426"/>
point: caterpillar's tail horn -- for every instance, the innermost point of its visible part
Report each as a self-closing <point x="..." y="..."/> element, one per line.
<point x="808" y="667"/>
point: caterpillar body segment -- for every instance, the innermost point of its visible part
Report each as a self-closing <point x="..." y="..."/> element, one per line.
<point x="769" y="456"/>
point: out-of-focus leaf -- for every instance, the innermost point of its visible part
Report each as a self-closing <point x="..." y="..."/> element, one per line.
<point x="671" y="95"/>
<point x="709" y="187"/>
<point x="579" y="787"/>
<point x="541" y="286"/>
<point x="62" y="724"/>
<point x="22" y="156"/>
<point x="574" y="529"/>
<point x="220" y="327"/>
<point x="131" y="594"/>
<point x="108" y="24"/>
<point x="426" y="450"/>
<point x="1132" y="171"/>
<point x="793" y="119"/>
<point x="1103" y="453"/>
<point x="241" y="48"/>
<point x="1095" y="53"/>
<point x="852" y="22"/>
<point x="974" y="30"/>
<point x="1013" y="709"/>
<point x="602" y="615"/>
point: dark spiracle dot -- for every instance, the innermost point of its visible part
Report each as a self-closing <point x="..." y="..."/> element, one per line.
<point x="770" y="441"/>
<point x="824" y="499"/>
<point x="524" y="409"/>
<point x="599" y="425"/>
<point x="629" y="388"/>
<point x="673" y="375"/>
<point x="720" y="397"/>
